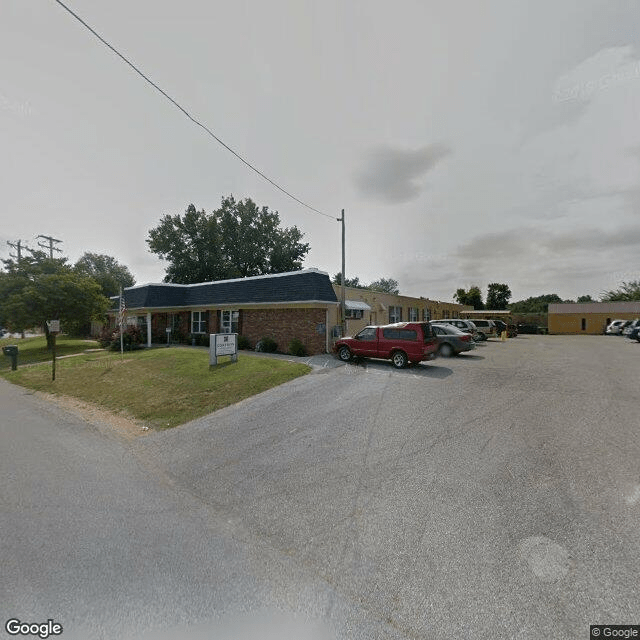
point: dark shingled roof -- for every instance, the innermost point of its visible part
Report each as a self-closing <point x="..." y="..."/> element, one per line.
<point x="296" y="286"/>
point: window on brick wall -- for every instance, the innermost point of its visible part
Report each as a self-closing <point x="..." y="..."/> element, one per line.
<point x="199" y="322"/>
<point x="229" y="321"/>
<point x="413" y="314"/>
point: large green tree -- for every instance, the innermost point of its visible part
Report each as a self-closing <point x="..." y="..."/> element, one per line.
<point x="37" y="289"/>
<point x="498" y="296"/>
<point x="235" y="241"/>
<point x="535" y="305"/>
<point x="627" y="292"/>
<point x="386" y="285"/>
<point x="349" y="282"/>
<point x="472" y="297"/>
<point x="106" y="271"/>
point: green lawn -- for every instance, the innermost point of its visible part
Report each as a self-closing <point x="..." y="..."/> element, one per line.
<point x="35" y="349"/>
<point x="162" y="387"/>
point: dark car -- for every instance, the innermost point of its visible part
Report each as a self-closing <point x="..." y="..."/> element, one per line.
<point x="451" y="340"/>
<point x="527" y="328"/>
<point x="634" y="334"/>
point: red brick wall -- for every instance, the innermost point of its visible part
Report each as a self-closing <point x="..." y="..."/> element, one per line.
<point x="213" y="321"/>
<point x="283" y="325"/>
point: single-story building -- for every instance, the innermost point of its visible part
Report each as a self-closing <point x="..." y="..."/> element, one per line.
<point x="365" y="307"/>
<point x="589" y="317"/>
<point x="283" y="306"/>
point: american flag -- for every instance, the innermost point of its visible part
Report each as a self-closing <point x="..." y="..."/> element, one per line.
<point x="123" y="311"/>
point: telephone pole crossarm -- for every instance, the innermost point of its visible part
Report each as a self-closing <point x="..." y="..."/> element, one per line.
<point x="50" y="244"/>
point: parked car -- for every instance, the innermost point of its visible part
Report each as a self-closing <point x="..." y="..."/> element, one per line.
<point x="3" y="332"/>
<point x="463" y="325"/>
<point x="525" y="328"/>
<point x="451" y="340"/>
<point x="631" y="326"/>
<point x="634" y="334"/>
<point x="486" y="328"/>
<point x="402" y="342"/>
<point x="615" y="327"/>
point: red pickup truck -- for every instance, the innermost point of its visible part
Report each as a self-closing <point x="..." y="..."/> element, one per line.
<point x="402" y="342"/>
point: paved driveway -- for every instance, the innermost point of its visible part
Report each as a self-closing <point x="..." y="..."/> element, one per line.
<point x="494" y="495"/>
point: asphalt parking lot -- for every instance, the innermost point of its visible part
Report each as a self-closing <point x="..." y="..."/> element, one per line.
<point x="492" y="495"/>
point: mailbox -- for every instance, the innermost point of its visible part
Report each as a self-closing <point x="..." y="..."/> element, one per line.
<point x="11" y="351"/>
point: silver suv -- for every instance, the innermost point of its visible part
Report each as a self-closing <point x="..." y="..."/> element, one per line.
<point x="486" y="328"/>
<point x="463" y="325"/>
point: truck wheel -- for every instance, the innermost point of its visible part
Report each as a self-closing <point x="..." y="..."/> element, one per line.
<point x="399" y="359"/>
<point x="344" y="353"/>
<point x="446" y="350"/>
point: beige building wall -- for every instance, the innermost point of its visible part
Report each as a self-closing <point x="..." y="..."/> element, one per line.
<point x="381" y="306"/>
<point x="589" y="317"/>
<point x="592" y="323"/>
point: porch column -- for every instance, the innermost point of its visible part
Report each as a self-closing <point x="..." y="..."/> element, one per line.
<point x="149" y="329"/>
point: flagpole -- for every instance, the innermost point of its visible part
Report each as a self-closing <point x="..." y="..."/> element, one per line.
<point x="121" y="323"/>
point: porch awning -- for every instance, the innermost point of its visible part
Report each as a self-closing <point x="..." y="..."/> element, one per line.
<point x="356" y="305"/>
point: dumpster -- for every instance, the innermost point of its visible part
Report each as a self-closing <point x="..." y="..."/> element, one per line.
<point x="11" y="351"/>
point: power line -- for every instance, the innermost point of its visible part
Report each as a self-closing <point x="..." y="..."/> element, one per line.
<point x="186" y="113"/>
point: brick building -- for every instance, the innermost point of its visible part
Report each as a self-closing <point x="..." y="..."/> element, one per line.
<point x="281" y="306"/>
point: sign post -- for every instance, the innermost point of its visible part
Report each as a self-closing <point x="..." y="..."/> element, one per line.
<point x="54" y="330"/>
<point x="222" y="344"/>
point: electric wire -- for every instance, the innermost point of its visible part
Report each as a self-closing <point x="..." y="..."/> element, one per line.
<point x="186" y="113"/>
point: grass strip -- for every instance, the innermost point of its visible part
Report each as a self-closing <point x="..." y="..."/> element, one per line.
<point x="162" y="387"/>
<point x="32" y="350"/>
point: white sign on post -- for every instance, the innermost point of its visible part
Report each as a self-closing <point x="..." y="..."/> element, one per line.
<point x="223" y="344"/>
<point x="54" y="326"/>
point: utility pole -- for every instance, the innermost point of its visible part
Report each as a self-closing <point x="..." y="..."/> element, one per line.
<point x="343" y="321"/>
<point x="50" y="246"/>
<point x="18" y="247"/>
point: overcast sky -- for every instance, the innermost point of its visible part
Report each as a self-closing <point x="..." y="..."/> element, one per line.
<point x="469" y="142"/>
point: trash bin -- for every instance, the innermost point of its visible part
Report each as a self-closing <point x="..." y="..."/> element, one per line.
<point x="11" y="351"/>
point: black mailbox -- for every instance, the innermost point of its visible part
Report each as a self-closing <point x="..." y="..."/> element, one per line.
<point x="11" y="350"/>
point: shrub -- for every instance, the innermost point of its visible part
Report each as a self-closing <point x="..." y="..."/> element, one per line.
<point x="106" y="336"/>
<point x="296" y="348"/>
<point x="199" y="339"/>
<point x="267" y="345"/>
<point x="243" y="342"/>
<point x="132" y="339"/>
